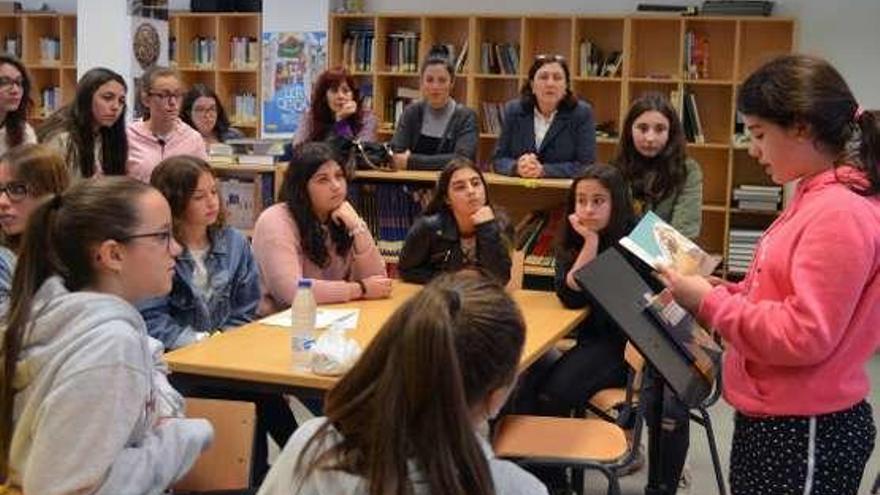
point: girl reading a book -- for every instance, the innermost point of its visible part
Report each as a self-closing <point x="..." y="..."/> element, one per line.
<point x="90" y="131"/>
<point x="547" y="131"/>
<point x="15" y="102"/>
<point x="203" y="112"/>
<point x="85" y="405"/>
<point x="28" y="174"/>
<point x="161" y="134"/>
<point x="405" y="419"/>
<point x="436" y="128"/>
<point x="653" y="161"/>
<point x="459" y="229"/>
<point x="216" y="283"/>
<point x="314" y="232"/>
<point x="804" y="322"/>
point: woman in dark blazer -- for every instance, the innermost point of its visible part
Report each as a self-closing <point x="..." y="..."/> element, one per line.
<point x="436" y="128"/>
<point x="547" y="132"/>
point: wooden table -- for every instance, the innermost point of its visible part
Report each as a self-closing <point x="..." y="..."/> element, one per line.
<point x="258" y="357"/>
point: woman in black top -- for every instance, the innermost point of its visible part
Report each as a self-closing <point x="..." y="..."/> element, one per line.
<point x="459" y="229"/>
<point x="436" y="128"/>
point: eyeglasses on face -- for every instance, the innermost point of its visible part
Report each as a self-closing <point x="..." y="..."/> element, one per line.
<point x="163" y="236"/>
<point x="16" y="191"/>
<point x="7" y="83"/>
<point x="166" y="97"/>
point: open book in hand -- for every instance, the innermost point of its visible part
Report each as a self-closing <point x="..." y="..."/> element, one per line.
<point x="657" y="243"/>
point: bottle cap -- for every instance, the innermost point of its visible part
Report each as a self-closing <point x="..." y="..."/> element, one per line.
<point x="304" y="283"/>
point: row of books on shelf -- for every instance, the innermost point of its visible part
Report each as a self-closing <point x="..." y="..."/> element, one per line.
<point x="244" y="108"/>
<point x="499" y="58"/>
<point x="594" y="62"/>
<point x="402" y="52"/>
<point x="244" y="199"/>
<point x="696" y="55"/>
<point x="535" y="236"/>
<point x="493" y="116"/>
<point x="202" y="50"/>
<point x="389" y="210"/>
<point x="244" y="52"/>
<point x="50" y="100"/>
<point x="394" y="106"/>
<point x="693" y="126"/>
<point x="246" y="151"/>
<point x="12" y="44"/>
<point x="755" y="197"/>
<point x="357" y="50"/>
<point x="741" y="249"/>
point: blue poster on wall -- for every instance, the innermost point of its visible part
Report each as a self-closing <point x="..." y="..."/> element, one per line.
<point x="291" y="61"/>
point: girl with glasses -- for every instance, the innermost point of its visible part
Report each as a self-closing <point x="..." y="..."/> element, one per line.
<point x="28" y="174"/>
<point x="203" y="112"/>
<point x="161" y="133"/>
<point x="15" y="101"/>
<point x="90" y="132"/>
<point x="85" y="405"/>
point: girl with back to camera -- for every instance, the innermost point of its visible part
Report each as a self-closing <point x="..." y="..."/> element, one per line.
<point x="459" y="229"/>
<point x="804" y="322"/>
<point x="86" y="407"/>
<point x="90" y="131"/>
<point x="404" y="420"/>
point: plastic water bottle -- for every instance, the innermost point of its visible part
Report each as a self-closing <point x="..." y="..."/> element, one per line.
<point x="302" y="332"/>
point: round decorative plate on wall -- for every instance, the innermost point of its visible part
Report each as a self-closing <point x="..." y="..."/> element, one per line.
<point x="146" y="45"/>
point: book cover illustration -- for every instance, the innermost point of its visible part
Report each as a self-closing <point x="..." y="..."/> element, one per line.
<point x="689" y="337"/>
<point x="657" y="243"/>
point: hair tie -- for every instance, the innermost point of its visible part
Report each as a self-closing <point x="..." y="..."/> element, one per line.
<point x="859" y="112"/>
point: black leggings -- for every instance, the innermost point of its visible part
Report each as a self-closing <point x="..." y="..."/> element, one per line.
<point x="780" y="455"/>
<point x="675" y="435"/>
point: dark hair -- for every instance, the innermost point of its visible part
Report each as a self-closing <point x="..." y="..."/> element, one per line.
<point x="197" y="91"/>
<point x="622" y="215"/>
<point x="79" y="122"/>
<point x="41" y="168"/>
<point x="176" y="178"/>
<point x="439" y="55"/>
<point x="16" y="120"/>
<point x="58" y="240"/>
<point x="527" y="96"/>
<point x="320" y="115"/>
<point x="795" y="90"/>
<point x="307" y="159"/>
<point x="441" y="190"/>
<point x="659" y="177"/>
<point x="409" y="396"/>
<point x="148" y="79"/>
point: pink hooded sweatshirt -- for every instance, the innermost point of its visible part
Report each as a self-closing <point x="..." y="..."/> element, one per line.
<point x="804" y="322"/>
<point x="146" y="150"/>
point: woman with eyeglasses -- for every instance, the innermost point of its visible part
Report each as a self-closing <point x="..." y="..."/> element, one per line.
<point x="28" y="173"/>
<point x="85" y="404"/>
<point x="161" y="134"/>
<point x="90" y="132"/>
<point x="203" y="112"/>
<point x="15" y="100"/>
<point x="547" y="131"/>
<point x="435" y="129"/>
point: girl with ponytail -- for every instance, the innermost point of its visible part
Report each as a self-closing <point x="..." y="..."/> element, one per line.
<point x="403" y="420"/>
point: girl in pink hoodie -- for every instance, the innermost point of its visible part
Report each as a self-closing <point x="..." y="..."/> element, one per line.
<point x="801" y="326"/>
<point x="161" y="133"/>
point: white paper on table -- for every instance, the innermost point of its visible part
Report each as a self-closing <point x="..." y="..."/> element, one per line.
<point x="324" y="319"/>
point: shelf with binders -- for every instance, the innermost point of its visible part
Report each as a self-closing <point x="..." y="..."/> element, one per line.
<point x="391" y="96"/>
<point x="10" y="33"/>
<point x="655" y="48"/>
<point x="195" y="38"/>
<point x="351" y="42"/>
<point x="598" y="43"/>
<point x="238" y="92"/>
<point x="239" y="42"/>
<point x="397" y="46"/>
<point x="761" y="40"/>
<point x="498" y="46"/>
<point x="707" y="114"/>
<point x="709" y="50"/>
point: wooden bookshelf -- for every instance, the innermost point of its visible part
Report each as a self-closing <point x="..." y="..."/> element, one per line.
<point x="58" y="71"/>
<point x="653" y="59"/>
<point x="223" y="73"/>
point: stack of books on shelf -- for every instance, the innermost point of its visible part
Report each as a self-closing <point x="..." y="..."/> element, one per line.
<point x="696" y="55"/>
<point x="244" y="52"/>
<point x="536" y="234"/>
<point x="220" y="154"/>
<point x="741" y="249"/>
<point x="493" y="116"/>
<point x="249" y="151"/>
<point x="50" y="50"/>
<point x="394" y="106"/>
<point x="357" y="49"/>
<point x="389" y="210"/>
<point x="50" y="100"/>
<point x="499" y="58"/>
<point x="593" y="62"/>
<point x="12" y="44"/>
<point x="693" y="127"/>
<point x="244" y="199"/>
<point x="402" y="52"/>
<point x="203" y="51"/>
<point x="244" y="109"/>
<point x="762" y="198"/>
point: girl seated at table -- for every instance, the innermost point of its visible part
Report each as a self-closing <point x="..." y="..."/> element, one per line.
<point x="85" y="406"/>
<point x="216" y="285"/>
<point x="314" y="232"/>
<point x="459" y="229"/>
<point x="405" y="418"/>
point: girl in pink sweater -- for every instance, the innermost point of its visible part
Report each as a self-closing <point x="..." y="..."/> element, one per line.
<point x="801" y="326"/>
<point x="316" y="233"/>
